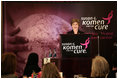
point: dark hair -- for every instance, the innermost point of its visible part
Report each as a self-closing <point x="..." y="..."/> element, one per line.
<point x="8" y="63"/>
<point x="32" y="65"/>
<point x="75" y="20"/>
<point x="50" y="71"/>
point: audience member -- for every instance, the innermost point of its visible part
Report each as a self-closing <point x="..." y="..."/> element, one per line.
<point x="100" y="67"/>
<point x="50" y="71"/>
<point x="32" y="65"/>
<point x="8" y="65"/>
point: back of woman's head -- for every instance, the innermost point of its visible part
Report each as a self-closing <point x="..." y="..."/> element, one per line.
<point x="8" y="63"/>
<point x="32" y="59"/>
<point x="31" y="65"/>
<point x="100" y="67"/>
<point x="50" y="71"/>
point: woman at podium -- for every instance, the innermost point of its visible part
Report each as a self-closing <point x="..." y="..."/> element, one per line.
<point x="75" y="27"/>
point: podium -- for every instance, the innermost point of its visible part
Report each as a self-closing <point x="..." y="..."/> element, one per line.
<point x="76" y="57"/>
<point x="75" y="66"/>
<point x="74" y="46"/>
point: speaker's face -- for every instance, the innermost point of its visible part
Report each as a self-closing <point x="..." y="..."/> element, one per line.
<point x="75" y="26"/>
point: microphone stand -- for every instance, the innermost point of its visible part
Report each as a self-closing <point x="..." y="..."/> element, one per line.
<point x="98" y="46"/>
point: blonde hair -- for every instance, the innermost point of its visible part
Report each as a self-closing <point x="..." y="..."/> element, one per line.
<point x="8" y="63"/>
<point x="100" y="67"/>
<point x="75" y="20"/>
<point x="50" y="71"/>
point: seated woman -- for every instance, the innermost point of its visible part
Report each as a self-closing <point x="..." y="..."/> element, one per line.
<point x="8" y="65"/>
<point x="100" y="67"/>
<point x="50" y="71"/>
<point x="31" y="65"/>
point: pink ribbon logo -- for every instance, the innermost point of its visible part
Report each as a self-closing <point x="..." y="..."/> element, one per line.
<point x="110" y="15"/>
<point x="86" y="43"/>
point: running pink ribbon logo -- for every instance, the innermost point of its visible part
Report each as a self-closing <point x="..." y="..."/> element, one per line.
<point x="86" y="43"/>
<point x="110" y="15"/>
